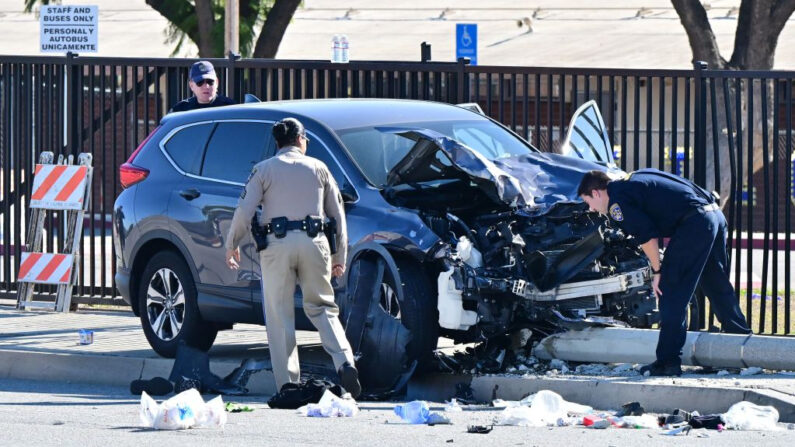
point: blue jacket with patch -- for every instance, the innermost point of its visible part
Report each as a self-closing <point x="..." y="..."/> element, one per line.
<point x="650" y="203"/>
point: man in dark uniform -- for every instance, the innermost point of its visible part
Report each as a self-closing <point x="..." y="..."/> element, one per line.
<point x="651" y="204"/>
<point x="204" y="84"/>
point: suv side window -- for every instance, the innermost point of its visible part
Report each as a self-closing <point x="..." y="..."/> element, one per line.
<point x="234" y="148"/>
<point x="187" y="145"/>
<point x="315" y="149"/>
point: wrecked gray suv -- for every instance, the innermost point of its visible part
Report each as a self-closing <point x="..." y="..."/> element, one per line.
<point x="457" y="227"/>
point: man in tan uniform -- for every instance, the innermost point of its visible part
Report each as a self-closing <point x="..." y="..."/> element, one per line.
<point x="293" y="186"/>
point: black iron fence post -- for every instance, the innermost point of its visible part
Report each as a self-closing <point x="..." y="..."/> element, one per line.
<point x="71" y="113"/>
<point x="461" y="80"/>
<point x="700" y="124"/>
<point x="232" y="77"/>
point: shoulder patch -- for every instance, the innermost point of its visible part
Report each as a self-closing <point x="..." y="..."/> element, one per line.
<point x="250" y="176"/>
<point x="616" y="213"/>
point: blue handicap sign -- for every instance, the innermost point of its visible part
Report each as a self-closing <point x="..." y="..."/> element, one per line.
<point x="466" y="42"/>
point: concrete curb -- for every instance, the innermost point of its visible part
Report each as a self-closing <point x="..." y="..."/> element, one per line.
<point x="603" y="394"/>
<point x="107" y="369"/>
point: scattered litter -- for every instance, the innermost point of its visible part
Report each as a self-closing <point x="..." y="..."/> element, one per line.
<point x="631" y="409"/>
<point x="644" y="421"/>
<point x="415" y="412"/>
<point x="624" y="367"/>
<point x="702" y="434"/>
<point x="560" y="365"/>
<point x="481" y="429"/>
<point x="330" y="406"/>
<point x="723" y="372"/>
<point x="538" y="410"/>
<point x="234" y="407"/>
<point x="86" y="336"/>
<point x="750" y="371"/>
<point x="185" y="410"/>
<point x="453" y="406"/>
<point x="678" y="431"/>
<point x="435" y="418"/>
<point x="747" y="416"/>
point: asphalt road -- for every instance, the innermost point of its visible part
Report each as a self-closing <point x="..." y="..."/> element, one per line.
<point x="46" y="413"/>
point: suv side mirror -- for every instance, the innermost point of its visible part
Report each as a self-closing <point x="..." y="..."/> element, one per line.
<point x="348" y="193"/>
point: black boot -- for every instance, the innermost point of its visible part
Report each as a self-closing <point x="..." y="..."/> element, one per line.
<point x="349" y="378"/>
<point x="659" y="369"/>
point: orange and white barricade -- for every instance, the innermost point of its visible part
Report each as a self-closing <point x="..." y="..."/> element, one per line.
<point x="56" y="187"/>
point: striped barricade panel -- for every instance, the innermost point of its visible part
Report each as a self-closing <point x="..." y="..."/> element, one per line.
<point x="45" y="268"/>
<point x="59" y="187"/>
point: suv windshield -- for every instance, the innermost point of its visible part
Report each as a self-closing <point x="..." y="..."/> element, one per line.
<point x="376" y="152"/>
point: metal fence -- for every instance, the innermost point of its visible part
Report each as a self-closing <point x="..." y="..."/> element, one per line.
<point x="730" y="131"/>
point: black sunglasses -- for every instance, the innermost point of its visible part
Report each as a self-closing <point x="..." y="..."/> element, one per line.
<point x="208" y="81"/>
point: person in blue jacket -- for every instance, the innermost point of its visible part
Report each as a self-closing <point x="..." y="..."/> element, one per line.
<point x="650" y="204"/>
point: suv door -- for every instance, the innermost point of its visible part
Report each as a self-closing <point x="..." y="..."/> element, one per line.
<point x="202" y="207"/>
<point x="587" y="136"/>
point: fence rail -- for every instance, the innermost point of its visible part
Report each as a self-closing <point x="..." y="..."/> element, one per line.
<point x="727" y="130"/>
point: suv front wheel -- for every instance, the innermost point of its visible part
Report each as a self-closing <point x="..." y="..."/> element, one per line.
<point x="169" y="313"/>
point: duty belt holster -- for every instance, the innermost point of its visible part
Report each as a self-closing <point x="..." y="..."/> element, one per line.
<point x="259" y="234"/>
<point x="279" y="226"/>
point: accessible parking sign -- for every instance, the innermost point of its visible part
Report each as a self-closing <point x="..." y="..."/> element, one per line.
<point x="67" y="28"/>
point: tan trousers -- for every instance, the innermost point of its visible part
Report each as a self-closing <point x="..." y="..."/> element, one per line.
<point x="299" y="257"/>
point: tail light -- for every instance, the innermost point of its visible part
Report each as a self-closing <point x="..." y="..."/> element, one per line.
<point x="129" y="173"/>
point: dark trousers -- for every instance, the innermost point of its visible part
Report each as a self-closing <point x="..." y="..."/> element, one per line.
<point x="696" y="256"/>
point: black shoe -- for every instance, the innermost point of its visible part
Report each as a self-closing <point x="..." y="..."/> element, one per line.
<point x="631" y="409"/>
<point x="157" y="386"/>
<point x="349" y="377"/>
<point x="657" y="369"/>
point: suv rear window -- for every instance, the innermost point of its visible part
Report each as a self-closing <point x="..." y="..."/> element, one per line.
<point x="186" y="146"/>
<point x="234" y="149"/>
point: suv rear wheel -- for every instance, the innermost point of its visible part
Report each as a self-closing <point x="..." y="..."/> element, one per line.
<point x="169" y="313"/>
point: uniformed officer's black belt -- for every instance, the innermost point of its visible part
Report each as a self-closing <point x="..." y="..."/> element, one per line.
<point x="279" y="226"/>
<point x="699" y="210"/>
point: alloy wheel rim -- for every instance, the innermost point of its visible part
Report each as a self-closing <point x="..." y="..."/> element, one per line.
<point x="165" y="304"/>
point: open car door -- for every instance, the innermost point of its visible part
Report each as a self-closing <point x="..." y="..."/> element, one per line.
<point x="587" y="136"/>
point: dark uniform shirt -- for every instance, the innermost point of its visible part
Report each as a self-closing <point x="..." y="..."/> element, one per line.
<point x="650" y="203"/>
<point x="192" y="103"/>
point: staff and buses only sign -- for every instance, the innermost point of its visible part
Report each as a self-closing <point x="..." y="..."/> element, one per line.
<point x="69" y="28"/>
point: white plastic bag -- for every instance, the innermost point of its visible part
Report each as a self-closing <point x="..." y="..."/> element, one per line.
<point x="185" y="410"/>
<point x="545" y="408"/>
<point x="643" y="421"/>
<point x="330" y="406"/>
<point x="747" y="416"/>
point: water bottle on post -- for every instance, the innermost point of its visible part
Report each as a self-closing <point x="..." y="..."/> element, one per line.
<point x="336" y="50"/>
<point x="344" y="49"/>
<point x="415" y="412"/>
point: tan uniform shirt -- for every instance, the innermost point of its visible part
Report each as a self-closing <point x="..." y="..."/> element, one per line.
<point x="292" y="185"/>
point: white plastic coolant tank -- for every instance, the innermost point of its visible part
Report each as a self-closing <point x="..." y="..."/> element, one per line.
<point x="451" y="307"/>
<point x="469" y="253"/>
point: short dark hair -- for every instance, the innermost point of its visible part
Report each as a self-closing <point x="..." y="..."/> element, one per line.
<point x="286" y="131"/>
<point x="592" y="180"/>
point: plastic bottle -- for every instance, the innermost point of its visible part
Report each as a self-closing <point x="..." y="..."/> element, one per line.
<point x="344" y="44"/>
<point x="336" y="49"/>
<point x="415" y="412"/>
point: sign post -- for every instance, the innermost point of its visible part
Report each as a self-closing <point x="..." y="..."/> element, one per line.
<point x="67" y="28"/>
<point x="466" y="42"/>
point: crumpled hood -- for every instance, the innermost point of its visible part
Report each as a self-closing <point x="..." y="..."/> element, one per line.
<point x="548" y="178"/>
<point x="535" y="180"/>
